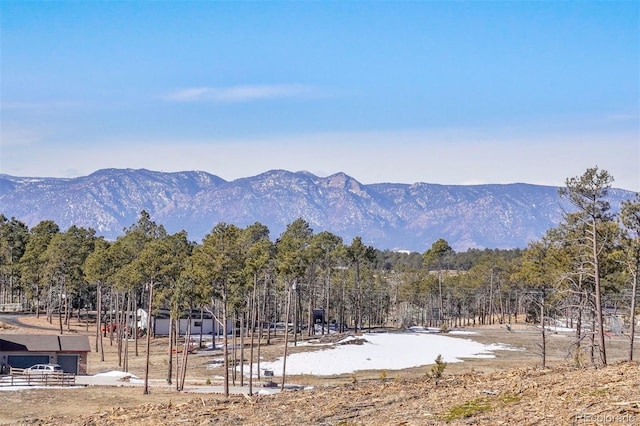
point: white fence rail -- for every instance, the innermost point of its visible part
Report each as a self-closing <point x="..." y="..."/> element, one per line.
<point x="20" y="377"/>
<point x="11" y="307"/>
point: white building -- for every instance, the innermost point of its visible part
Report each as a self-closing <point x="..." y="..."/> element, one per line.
<point x="201" y="322"/>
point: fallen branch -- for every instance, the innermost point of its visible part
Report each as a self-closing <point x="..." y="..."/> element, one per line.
<point x="627" y="403"/>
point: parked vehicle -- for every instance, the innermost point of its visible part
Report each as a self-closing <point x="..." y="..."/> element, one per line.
<point x="106" y="328"/>
<point x="42" y="369"/>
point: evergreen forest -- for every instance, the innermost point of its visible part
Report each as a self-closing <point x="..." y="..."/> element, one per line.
<point x="582" y="274"/>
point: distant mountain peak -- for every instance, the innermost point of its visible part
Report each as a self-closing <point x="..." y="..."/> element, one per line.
<point x="385" y="215"/>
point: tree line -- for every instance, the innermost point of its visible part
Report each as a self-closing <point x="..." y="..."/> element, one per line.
<point x="582" y="273"/>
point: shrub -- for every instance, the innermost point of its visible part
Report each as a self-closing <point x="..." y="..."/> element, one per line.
<point x="438" y="368"/>
<point x="383" y="375"/>
<point x="468" y="409"/>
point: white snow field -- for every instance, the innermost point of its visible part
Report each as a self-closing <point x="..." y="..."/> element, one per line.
<point x="384" y="351"/>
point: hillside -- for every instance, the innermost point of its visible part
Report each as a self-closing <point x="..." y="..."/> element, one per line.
<point x="524" y="396"/>
<point x="385" y="215"/>
<point x="508" y="389"/>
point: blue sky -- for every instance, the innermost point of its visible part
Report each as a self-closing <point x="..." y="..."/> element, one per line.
<point x="458" y="92"/>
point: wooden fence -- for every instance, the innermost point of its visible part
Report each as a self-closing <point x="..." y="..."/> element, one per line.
<point x="21" y="377"/>
<point x="11" y="307"/>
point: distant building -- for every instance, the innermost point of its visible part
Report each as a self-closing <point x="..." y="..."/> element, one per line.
<point x="25" y="350"/>
<point x="318" y="316"/>
<point x="201" y="322"/>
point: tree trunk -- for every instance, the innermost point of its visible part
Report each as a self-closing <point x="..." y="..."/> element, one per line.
<point x="119" y="328"/>
<point x="242" y="331"/>
<point x="295" y="315"/>
<point x="310" y="324"/>
<point x="201" y="327"/>
<point x="440" y="302"/>
<point x="125" y="332"/>
<point x="99" y="321"/>
<point x="146" y="370"/>
<point x="135" y="327"/>
<point x="286" y="339"/>
<point x="544" y="336"/>
<point x="170" y="360"/>
<point x="225" y="340"/>
<point x="579" y="328"/>
<point x="326" y="318"/>
<point x="491" y="299"/>
<point x="67" y="313"/>
<point x="110" y="326"/>
<point x="50" y="303"/>
<point x="596" y="264"/>
<point x="263" y="316"/>
<point x="98" y="313"/>
<point x="341" y="306"/>
<point x="593" y="337"/>
<point x="358" y="313"/>
<point x="252" y="321"/>
<point x="234" y="352"/>
<point x="176" y="333"/>
<point x="185" y="353"/>
<point x="87" y="313"/>
<point x="60" y="306"/>
<point x="38" y="299"/>
<point x="634" y="290"/>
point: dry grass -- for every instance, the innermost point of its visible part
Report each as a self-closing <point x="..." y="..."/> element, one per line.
<point x="404" y="395"/>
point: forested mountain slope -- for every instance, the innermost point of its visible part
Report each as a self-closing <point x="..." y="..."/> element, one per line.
<point x="385" y="215"/>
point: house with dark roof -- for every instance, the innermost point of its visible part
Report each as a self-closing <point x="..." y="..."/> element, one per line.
<point x="25" y="350"/>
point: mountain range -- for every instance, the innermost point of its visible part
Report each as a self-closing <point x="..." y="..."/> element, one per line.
<point x="386" y="215"/>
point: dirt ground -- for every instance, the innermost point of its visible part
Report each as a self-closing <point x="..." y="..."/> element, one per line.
<point x="508" y="389"/>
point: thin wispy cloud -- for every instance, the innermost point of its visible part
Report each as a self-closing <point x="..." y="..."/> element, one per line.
<point x="623" y="117"/>
<point x="244" y="93"/>
<point x="451" y="157"/>
<point x="18" y="137"/>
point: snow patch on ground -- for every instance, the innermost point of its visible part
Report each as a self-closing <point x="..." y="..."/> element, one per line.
<point x="121" y="376"/>
<point x="560" y="329"/>
<point x="502" y="347"/>
<point x="392" y="351"/>
<point x="420" y="329"/>
<point x="349" y="338"/>
<point x="26" y="387"/>
<point x="116" y="374"/>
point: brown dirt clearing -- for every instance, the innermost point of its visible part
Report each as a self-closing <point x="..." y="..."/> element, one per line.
<point x="507" y="389"/>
